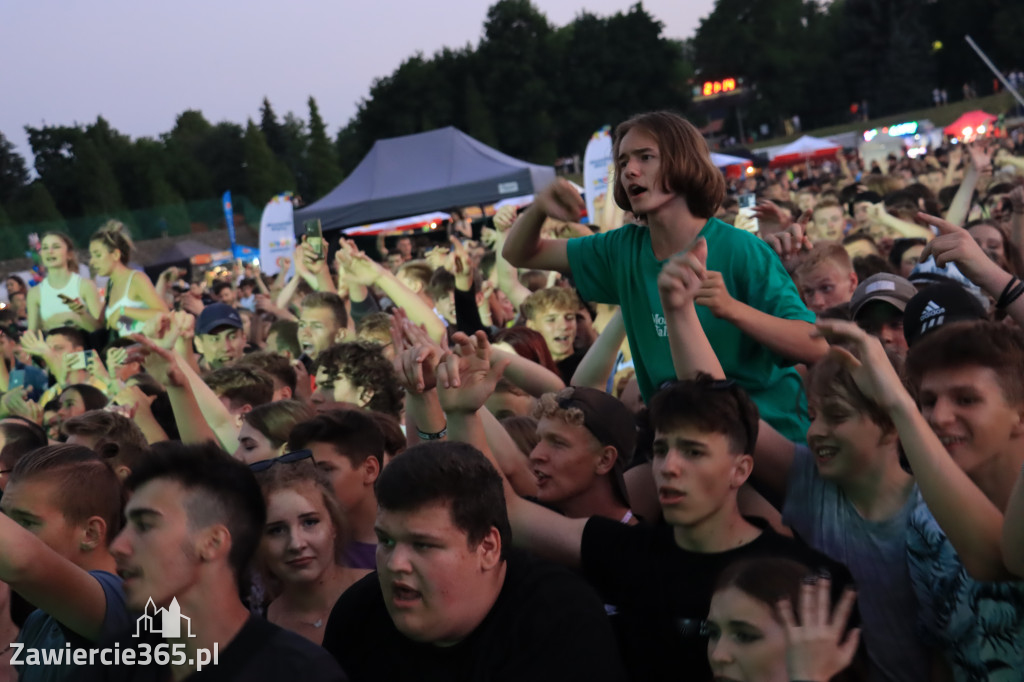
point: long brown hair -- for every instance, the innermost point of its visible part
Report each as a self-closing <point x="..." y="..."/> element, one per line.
<point x="686" y="166"/>
<point x="304" y="477"/>
<point x="72" y="256"/>
<point x="768" y="580"/>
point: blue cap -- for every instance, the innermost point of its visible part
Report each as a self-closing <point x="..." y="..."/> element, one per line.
<point x="217" y="315"/>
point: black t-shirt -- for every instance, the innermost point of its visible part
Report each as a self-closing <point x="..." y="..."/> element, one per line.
<point x="567" y="367"/>
<point x="547" y="624"/>
<point x="661" y="593"/>
<point x="261" y="651"/>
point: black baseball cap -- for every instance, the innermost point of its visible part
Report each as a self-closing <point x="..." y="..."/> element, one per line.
<point x="610" y="422"/>
<point x="938" y="305"/>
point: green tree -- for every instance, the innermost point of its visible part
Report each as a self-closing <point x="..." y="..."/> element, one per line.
<point x="36" y="205"/>
<point x="885" y="54"/>
<point x="265" y="175"/>
<point x="185" y="171"/>
<point x="478" y="117"/>
<point x="98" y="189"/>
<point x="168" y="213"/>
<point x="296" y="144"/>
<point x="272" y="130"/>
<point x="322" y="170"/>
<point x="54" y="151"/>
<point x="13" y="173"/>
<point x="515" y="52"/>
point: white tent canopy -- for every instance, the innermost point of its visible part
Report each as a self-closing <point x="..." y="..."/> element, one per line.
<point x="805" y="146"/>
<point x="723" y="160"/>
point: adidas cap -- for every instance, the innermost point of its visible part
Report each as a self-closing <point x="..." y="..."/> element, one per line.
<point x="937" y="305"/>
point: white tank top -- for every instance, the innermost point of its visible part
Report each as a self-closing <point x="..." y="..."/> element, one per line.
<point x="50" y="305"/>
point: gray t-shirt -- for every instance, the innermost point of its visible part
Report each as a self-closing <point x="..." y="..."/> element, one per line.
<point x="876" y="554"/>
<point x="42" y="631"/>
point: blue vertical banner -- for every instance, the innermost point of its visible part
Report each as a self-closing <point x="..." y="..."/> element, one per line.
<point x="229" y="217"/>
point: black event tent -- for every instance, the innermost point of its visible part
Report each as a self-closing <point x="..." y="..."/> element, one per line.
<point x="436" y="170"/>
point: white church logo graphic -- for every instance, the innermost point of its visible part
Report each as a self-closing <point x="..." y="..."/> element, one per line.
<point x="163" y="621"/>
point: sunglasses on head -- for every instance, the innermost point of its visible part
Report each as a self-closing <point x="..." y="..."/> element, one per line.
<point x="286" y="458"/>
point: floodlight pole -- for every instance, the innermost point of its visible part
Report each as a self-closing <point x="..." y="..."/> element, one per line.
<point x="992" y="67"/>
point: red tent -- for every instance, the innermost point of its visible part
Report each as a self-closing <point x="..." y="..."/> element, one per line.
<point x="968" y="123"/>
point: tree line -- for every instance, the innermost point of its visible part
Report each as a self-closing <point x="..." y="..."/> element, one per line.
<point x="528" y="88"/>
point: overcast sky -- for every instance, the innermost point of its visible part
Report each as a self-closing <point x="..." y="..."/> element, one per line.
<point x="139" y="64"/>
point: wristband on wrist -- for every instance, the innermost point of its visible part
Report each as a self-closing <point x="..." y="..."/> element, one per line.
<point x="1013" y="290"/>
<point x="433" y="436"/>
<point x="1014" y="295"/>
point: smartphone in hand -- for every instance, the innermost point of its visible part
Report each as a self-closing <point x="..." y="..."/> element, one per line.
<point x="315" y="236"/>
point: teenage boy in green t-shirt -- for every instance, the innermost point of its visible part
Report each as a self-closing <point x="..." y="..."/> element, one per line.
<point x="749" y="307"/>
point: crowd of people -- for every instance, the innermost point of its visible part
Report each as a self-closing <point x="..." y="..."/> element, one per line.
<point x="691" y="441"/>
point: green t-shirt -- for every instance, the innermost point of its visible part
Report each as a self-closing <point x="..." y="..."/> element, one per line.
<point x="620" y="267"/>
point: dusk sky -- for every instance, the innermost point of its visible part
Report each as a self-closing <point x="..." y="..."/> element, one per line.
<point x="140" y="64"/>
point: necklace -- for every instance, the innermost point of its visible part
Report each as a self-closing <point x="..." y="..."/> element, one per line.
<point x="318" y="623"/>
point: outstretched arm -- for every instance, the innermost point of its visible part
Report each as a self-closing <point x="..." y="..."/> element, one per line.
<point x="679" y="284"/>
<point x="465" y="380"/>
<point x="524" y="247"/>
<point x="360" y="269"/>
<point x="970" y="520"/>
<point x="599" y="362"/>
<point x="955" y="245"/>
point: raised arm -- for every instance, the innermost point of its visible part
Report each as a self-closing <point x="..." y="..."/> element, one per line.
<point x="465" y="380"/>
<point x="973" y="524"/>
<point x="902" y="228"/>
<point x="791" y="339"/>
<point x="524" y="246"/>
<point x="678" y="285"/>
<point x="978" y="161"/>
<point x="599" y="362"/>
<point x="361" y="269"/>
<point x="506" y="275"/>
<point x="956" y="245"/>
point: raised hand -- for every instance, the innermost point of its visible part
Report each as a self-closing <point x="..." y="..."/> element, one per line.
<point x="466" y="378"/>
<point x="35" y="344"/>
<point x="815" y="649"/>
<point x="437" y="257"/>
<point x="792" y="242"/>
<point x="681" y="277"/>
<point x="161" y="363"/>
<point x="561" y="201"/>
<point x="416" y="356"/>
<point x="504" y="218"/>
<point x="956" y="245"/>
<point x="769" y="212"/>
<point x="868" y="364"/>
<point x="980" y="157"/>
<point x="714" y="295"/>
<point x="97" y="370"/>
<point x="359" y="268"/>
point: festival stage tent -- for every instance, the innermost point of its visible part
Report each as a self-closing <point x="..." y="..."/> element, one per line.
<point x="967" y="125"/>
<point x="432" y="171"/>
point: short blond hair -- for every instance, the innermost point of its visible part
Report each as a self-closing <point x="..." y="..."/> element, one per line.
<point x="552" y="298"/>
<point x="823" y="253"/>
